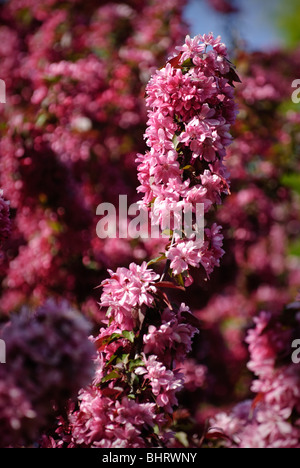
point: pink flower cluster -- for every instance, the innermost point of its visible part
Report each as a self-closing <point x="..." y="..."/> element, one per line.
<point x="104" y="423"/>
<point x="128" y="289"/>
<point x="164" y="383"/>
<point x="261" y="226"/>
<point x="172" y="340"/>
<point x="107" y="416"/>
<point x="17" y="417"/>
<point x="147" y="338"/>
<point x="272" y="420"/>
<point x="191" y="111"/>
<point x="135" y="385"/>
<point x="74" y="76"/>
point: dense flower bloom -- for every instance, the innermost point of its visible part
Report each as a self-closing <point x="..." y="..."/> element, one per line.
<point x="127" y="289"/>
<point x="143" y="341"/>
<point x="172" y="340"/>
<point x="191" y="110"/>
<point x="81" y="70"/>
<point x="86" y="113"/>
<point x="182" y="255"/>
<point x="102" y="423"/>
<point x="164" y="383"/>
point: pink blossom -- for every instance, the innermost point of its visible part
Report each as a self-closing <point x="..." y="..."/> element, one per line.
<point x="191" y="47"/>
<point x="128" y="288"/>
<point x="194" y="374"/>
<point x="164" y="383"/>
<point x="172" y="340"/>
<point x="183" y="255"/>
<point x="184" y="115"/>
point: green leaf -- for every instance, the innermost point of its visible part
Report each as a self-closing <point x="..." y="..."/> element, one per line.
<point x="292" y="181"/>
<point x="114" y="337"/>
<point x="175" y="141"/>
<point x="189" y="168"/>
<point x="41" y="120"/>
<point x="136" y="363"/>
<point x="112" y="376"/>
<point x="123" y="359"/>
<point x="134" y="380"/>
<point x="180" y="280"/>
<point x="129" y="335"/>
<point x="53" y="79"/>
<point x="161" y="258"/>
<point x="112" y="359"/>
<point x="188" y="63"/>
<point x="182" y="438"/>
<point x="56" y="226"/>
<point x="294" y="248"/>
<point x="167" y="233"/>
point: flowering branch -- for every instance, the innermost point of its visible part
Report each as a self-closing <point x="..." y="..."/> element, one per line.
<point x="191" y="110"/>
<point x="146" y="337"/>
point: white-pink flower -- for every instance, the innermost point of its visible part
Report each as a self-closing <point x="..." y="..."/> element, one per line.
<point x="129" y="288"/>
<point x="182" y="255"/>
<point x="165" y="383"/>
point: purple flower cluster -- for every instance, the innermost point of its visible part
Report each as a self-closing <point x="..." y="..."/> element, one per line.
<point x="48" y="359"/>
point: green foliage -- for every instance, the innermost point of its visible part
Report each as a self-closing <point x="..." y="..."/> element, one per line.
<point x="288" y="22"/>
<point x="294" y="249"/>
<point x="292" y="181"/>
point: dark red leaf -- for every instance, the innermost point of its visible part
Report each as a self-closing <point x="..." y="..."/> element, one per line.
<point x="216" y="433"/>
<point x="175" y="61"/>
<point x="112" y="393"/>
<point x="260" y="397"/>
<point x="165" y="299"/>
<point x="169" y="285"/>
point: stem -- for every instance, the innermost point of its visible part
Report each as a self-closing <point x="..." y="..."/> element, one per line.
<point x="168" y="263"/>
<point x="167" y="266"/>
